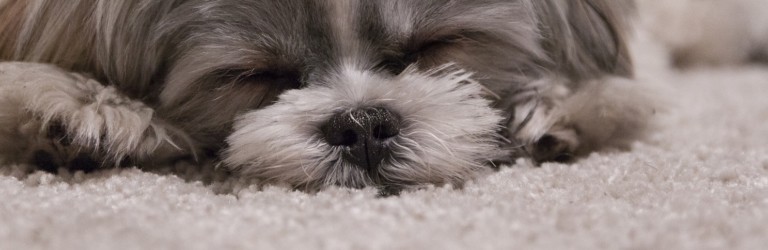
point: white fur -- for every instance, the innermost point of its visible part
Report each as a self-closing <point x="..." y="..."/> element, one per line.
<point x="449" y="130"/>
<point x="34" y="96"/>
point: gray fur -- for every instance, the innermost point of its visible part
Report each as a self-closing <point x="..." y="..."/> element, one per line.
<point x="222" y="71"/>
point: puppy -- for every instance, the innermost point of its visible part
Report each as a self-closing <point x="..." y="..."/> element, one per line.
<point x="312" y="93"/>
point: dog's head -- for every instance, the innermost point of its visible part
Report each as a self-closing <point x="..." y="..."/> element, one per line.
<point x="351" y="92"/>
<point x="357" y="93"/>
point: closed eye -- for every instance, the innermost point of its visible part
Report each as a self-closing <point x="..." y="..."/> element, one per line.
<point x="280" y="78"/>
<point x="395" y="63"/>
<point x="264" y="85"/>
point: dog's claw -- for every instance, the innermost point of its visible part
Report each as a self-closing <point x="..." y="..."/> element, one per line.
<point x="84" y="163"/>
<point x="550" y="148"/>
<point x="44" y="161"/>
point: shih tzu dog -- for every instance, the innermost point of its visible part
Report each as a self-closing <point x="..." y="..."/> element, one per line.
<point x="313" y="93"/>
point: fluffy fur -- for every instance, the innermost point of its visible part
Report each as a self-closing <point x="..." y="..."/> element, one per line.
<point x="253" y="82"/>
<point x="284" y="136"/>
<point x="38" y="102"/>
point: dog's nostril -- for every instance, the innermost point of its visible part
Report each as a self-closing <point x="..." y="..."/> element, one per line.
<point x="346" y="138"/>
<point x="364" y="132"/>
<point x="350" y="128"/>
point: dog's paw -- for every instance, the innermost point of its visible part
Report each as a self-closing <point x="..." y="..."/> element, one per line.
<point x="562" y="124"/>
<point x="543" y="142"/>
<point x="56" y="149"/>
<point x="51" y="162"/>
<point x="64" y="119"/>
<point x="556" y="146"/>
<point x="49" y="147"/>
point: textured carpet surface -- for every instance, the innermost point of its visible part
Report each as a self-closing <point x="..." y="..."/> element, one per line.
<point x="699" y="182"/>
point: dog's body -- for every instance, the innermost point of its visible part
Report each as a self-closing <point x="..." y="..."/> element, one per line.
<point x="320" y="92"/>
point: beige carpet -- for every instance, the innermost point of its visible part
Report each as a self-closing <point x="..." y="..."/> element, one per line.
<point x="699" y="182"/>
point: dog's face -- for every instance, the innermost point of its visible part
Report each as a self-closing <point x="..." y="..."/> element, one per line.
<point x="352" y="93"/>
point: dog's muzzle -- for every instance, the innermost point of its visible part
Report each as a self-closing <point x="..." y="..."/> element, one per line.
<point x="433" y="127"/>
<point x="364" y="133"/>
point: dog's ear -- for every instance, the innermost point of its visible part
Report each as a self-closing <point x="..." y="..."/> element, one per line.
<point x="11" y="16"/>
<point x="585" y="38"/>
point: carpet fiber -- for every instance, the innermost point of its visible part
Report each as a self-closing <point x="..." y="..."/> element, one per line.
<point x="699" y="182"/>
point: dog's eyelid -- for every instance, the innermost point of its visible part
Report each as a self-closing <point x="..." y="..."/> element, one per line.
<point x="275" y="76"/>
<point x="436" y="42"/>
<point x="269" y="73"/>
<point x="395" y="65"/>
<point x="396" y="62"/>
<point x="262" y="76"/>
<point x="446" y="36"/>
<point x="449" y="38"/>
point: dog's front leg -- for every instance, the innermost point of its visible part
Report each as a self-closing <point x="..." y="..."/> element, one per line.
<point x="53" y="118"/>
<point x="564" y="119"/>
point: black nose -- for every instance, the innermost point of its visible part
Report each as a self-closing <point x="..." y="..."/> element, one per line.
<point x="364" y="132"/>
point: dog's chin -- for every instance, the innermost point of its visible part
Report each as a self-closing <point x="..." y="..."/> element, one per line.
<point x="448" y="132"/>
